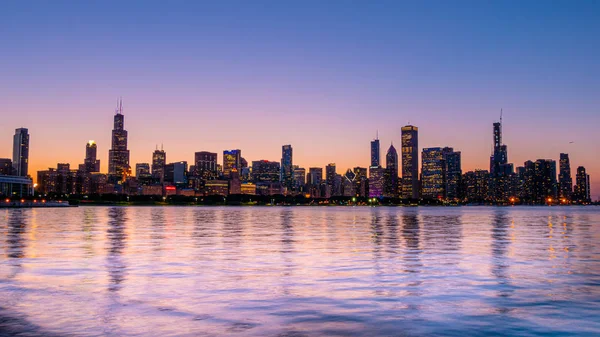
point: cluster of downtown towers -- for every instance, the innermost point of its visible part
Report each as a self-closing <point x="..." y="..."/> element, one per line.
<point x="441" y="178"/>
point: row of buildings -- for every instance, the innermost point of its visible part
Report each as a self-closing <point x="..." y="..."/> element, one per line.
<point x="440" y="177"/>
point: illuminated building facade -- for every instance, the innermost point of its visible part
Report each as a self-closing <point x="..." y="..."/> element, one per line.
<point x="565" y="181"/>
<point x="410" y="162"/>
<point x="476" y="186"/>
<point x="265" y="171"/>
<point x="433" y="173"/>
<point x="205" y="164"/>
<point x="232" y="159"/>
<point x="118" y="155"/>
<point x="376" y="181"/>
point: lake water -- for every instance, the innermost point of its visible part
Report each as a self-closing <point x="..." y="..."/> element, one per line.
<point x="300" y="271"/>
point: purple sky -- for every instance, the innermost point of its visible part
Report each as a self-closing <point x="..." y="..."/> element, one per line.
<point x="320" y="76"/>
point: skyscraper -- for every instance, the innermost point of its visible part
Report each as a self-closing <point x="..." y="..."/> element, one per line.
<point x="565" y="181"/>
<point x="118" y="155"/>
<point x="142" y="170"/>
<point x="299" y="178"/>
<point x="232" y="159"/>
<point x="330" y="172"/>
<point x="453" y="168"/>
<point x="390" y="189"/>
<point x="582" y="186"/>
<point x="90" y="163"/>
<point x="433" y="173"/>
<point x="500" y="170"/>
<point x="410" y="162"/>
<point x="376" y="181"/>
<point x="375" y="152"/>
<point x="206" y="164"/>
<point x="265" y="171"/>
<point x="287" y="171"/>
<point x="21" y="152"/>
<point x="159" y="161"/>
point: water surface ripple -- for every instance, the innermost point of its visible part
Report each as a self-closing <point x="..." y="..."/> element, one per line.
<point x="300" y="271"/>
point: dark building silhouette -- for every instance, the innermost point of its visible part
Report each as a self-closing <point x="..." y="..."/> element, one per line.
<point x="142" y="170"/>
<point x="330" y="173"/>
<point x="159" y="161"/>
<point x="91" y="163"/>
<point x="287" y="164"/>
<point x="118" y="155"/>
<point x="453" y="170"/>
<point x="565" y="182"/>
<point x="6" y="166"/>
<point x="390" y="189"/>
<point x="540" y="185"/>
<point x="410" y="162"/>
<point x="176" y="173"/>
<point x="375" y="152"/>
<point x="20" y="159"/>
<point x="501" y="171"/>
<point x="582" y="186"/>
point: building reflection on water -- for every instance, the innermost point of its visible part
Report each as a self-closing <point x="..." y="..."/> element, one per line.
<point x="16" y="242"/>
<point x="117" y="239"/>
<point x="500" y="264"/>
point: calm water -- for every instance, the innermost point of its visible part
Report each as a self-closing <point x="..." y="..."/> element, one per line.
<point x="299" y="271"/>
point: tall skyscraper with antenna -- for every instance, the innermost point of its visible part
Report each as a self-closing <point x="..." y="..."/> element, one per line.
<point x="159" y="161"/>
<point x="118" y="155"/>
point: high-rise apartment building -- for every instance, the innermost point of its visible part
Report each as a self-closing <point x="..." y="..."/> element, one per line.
<point x="582" y="186"/>
<point x="453" y="171"/>
<point x="91" y="163"/>
<point x="433" y="173"/>
<point x="287" y="170"/>
<point x="410" y="162"/>
<point x="232" y="159"/>
<point x="205" y="164"/>
<point x="375" y="152"/>
<point x="390" y="189"/>
<point x="565" y="181"/>
<point x="20" y="159"/>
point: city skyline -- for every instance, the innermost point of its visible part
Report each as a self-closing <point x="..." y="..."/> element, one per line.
<point x="186" y="76"/>
<point x="233" y="158"/>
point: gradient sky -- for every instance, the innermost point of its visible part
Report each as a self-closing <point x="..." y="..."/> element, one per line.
<point x="320" y="75"/>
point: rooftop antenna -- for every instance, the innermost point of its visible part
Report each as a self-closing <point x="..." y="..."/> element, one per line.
<point x="121" y="105"/>
<point x="500" y="115"/>
<point x="377" y="135"/>
<point x="161" y="146"/>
